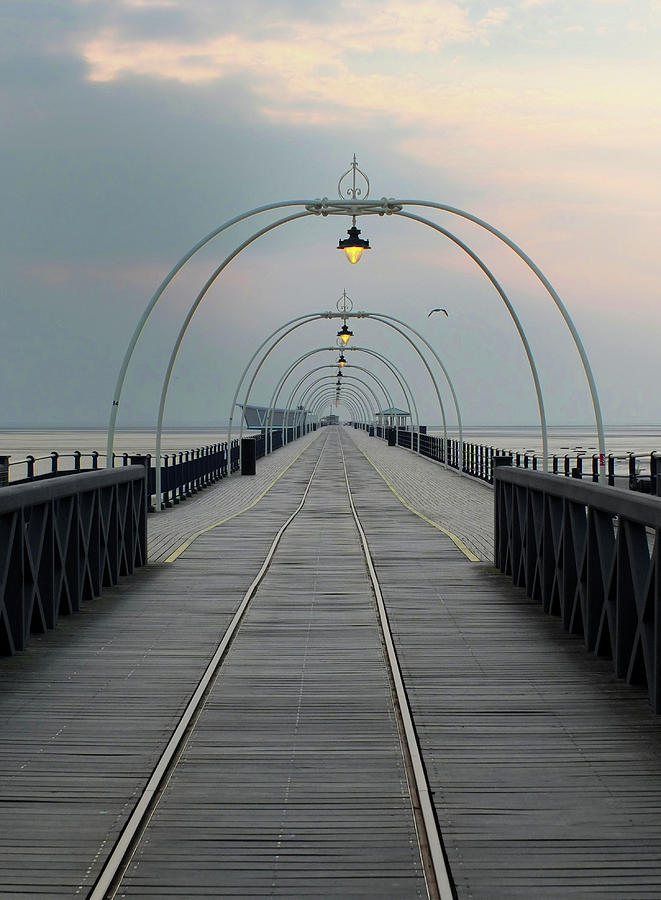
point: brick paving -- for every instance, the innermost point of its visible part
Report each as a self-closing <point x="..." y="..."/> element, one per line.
<point x="168" y="529"/>
<point x="461" y="504"/>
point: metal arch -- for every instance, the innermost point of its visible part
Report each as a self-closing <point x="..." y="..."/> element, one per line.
<point x="184" y="328"/>
<point x="354" y="381"/>
<point x="276" y="394"/>
<point x="401" y="380"/>
<point x="406" y="391"/>
<point x="371" y="414"/>
<point x="330" y="315"/>
<point x="381" y="385"/>
<point x="386" y="206"/>
<point x="515" y="318"/>
<point x="307" y="316"/>
<point x="386" y="393"/>
<point x="114" y="408"/>
<point x="313" y="317"/>
<point x="269" y="416"/>
<point x="550" y="290"/>
<point x="378" y="317"/>
<point x="359" y="402"/>
<point x="354" y="392"/>
<point x="349" y="402"/>
<point x="357" y="390"/>
<point x="290" y="400"/>
<point x="405" y="387"/>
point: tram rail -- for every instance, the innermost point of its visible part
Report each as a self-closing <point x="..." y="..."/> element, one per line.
<point x="437" y="875"/>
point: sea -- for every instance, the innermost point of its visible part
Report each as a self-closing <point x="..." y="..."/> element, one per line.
<point x="18" y="443"/>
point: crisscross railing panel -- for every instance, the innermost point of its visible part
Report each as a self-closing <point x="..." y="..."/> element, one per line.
<point x="590" y="555"/>
<point x="62" y="541"/>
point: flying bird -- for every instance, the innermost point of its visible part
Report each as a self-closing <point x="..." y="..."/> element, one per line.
<point x="438" y="309"/>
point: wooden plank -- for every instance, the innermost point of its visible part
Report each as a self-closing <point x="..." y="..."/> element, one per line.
<point x="86" y="709"/>
<point x="546" y="771"/>
<point x="293" y="783"/>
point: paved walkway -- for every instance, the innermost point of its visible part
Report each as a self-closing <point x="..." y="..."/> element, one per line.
<point x="167" y="530"/>
<point x="86" y="710"/>
<point x="293" y="782"/>
<point x="545" y="770"/>
<point x="460" y="504"/>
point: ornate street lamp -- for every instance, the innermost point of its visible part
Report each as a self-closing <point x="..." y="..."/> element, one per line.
<point x="353" y="246"/>
<point x="341" y="361"/>
<point x="345" y="333"/>
<point x="344" y="305"/>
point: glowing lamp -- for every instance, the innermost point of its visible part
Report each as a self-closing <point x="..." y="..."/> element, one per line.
<point x="344" y="333"/>
<point x="341" y="361"/>
<point x="353" y="246"/>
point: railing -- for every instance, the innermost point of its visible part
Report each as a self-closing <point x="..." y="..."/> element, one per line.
<point x="591" y="556"/>
<point x="275" y="442"/>
<point x="641" y="473"/>
<point x="183" y="474"/>
<point x="63" y="540"/>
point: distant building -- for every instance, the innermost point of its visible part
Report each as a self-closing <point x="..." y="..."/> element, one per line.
<point x="330" y="420"/>
<point x="256" y="416"/>
<point x="393" y="417"/>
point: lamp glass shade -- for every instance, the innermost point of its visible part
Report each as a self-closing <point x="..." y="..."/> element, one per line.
<point x="353" y="254"/>
<point x="353" y="246"/>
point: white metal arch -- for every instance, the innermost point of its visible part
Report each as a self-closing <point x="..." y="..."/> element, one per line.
<point x="355" y="392"/>
<point x="354" y="381"/>
<point x="302" y="396"/>
<point x="409" y="398"/>
<point x="276" y="394"/>
<point x="353" y="408"/>
<point x="304" y="320"/>
<point x="293" y="366"/>
<point x="323" y="207"/>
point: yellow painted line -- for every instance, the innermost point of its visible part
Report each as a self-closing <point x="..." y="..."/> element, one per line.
<point x="189" y="540"/>
<point x="457" y="541"/>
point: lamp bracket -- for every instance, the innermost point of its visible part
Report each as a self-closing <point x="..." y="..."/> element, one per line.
<point x="386" y="206"/>
<point x="359" y="314"/>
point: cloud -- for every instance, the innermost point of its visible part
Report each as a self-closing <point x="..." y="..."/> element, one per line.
<point x="496" y="16"/>
<point x="285" y="46"/>
<point x="149" y="4"/>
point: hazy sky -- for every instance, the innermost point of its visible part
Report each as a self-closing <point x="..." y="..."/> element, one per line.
<point x="131" y="128"/>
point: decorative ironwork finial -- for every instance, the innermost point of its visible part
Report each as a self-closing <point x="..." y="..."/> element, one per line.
<point x="345" y="303"/>
<point x="354" y="192"/>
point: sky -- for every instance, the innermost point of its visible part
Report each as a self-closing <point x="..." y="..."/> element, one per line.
<point x="133" y="128"/>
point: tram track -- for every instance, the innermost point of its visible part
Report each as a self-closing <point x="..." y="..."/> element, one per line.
<point x="109" y="880"/>
<point x="431" y="846"/>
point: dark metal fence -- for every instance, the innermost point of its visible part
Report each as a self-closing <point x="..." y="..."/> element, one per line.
<point x="641" y="473"/>
<point x="278" y="439"/>
<point x="183" y="474"/>
<point x="62" y="541"/>
<point x="591" y="556"/>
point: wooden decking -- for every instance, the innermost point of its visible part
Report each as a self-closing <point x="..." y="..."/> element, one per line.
<point x="546" y="771"/>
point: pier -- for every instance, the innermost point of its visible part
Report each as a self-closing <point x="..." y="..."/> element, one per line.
<point x="319" y="686"/>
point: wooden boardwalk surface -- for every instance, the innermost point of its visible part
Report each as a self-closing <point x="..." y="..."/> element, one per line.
<point x="546" y="771"/>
